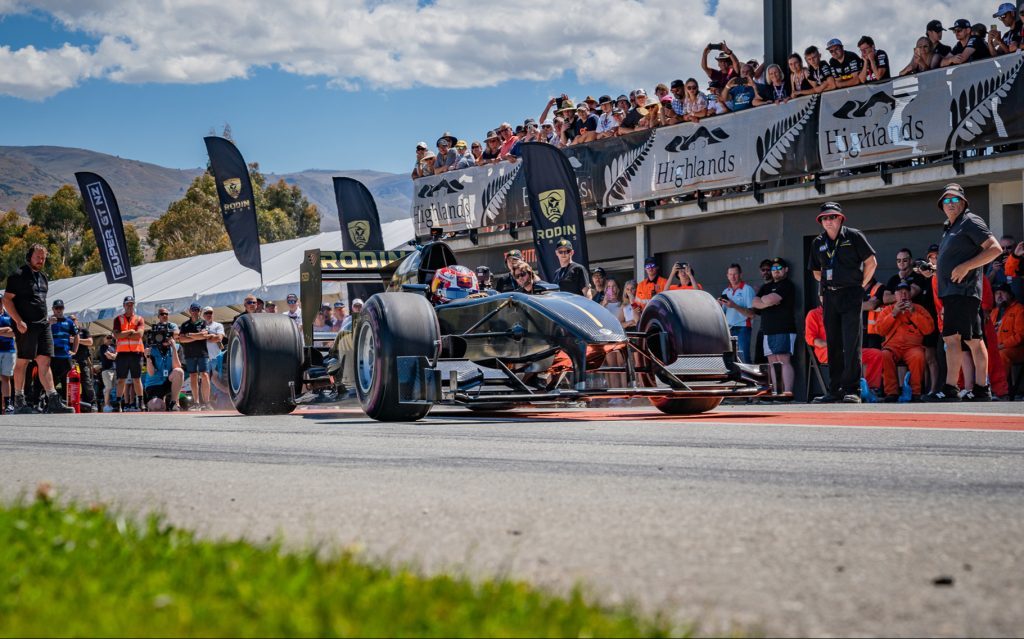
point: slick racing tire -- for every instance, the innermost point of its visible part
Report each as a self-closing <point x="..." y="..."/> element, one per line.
<point x="264" y="354"/>
<point x="392" y="325"/>
<point x="693" y="324"/>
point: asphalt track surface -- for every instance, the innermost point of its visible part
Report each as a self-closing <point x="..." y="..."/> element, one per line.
<point x="869" y="520"/>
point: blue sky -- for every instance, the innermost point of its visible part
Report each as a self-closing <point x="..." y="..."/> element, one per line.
<point x="356" y="85"/>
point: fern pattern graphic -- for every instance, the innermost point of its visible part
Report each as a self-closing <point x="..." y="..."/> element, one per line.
<point x="620" y="171"/>
<point x="775" y="143"/>
<point x="494" y="194"/>
<point x="978" y="104"/>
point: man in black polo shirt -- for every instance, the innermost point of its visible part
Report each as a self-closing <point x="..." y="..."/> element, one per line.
<point x="967" y="246"/>
<point x="968" y="47"/>
<point x="570" y="276"/>
<point x="843" y="261"/>
<point x="25" y="301"/>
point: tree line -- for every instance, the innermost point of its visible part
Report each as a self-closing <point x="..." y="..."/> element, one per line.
<point x="190" y="226"/>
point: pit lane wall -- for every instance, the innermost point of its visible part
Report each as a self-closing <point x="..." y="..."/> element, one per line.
<point x="935" y="113"/>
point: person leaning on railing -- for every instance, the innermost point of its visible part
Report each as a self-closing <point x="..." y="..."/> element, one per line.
<point x="925" y="58"/>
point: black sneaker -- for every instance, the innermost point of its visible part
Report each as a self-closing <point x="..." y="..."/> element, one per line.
<point x="827" y="398"/>
<point x="55" y="406"/>
<point x="851" y="398"/>
<point x="979" y="394"/>
<point x="890" y="399"/>
<point x="947" y="393"/>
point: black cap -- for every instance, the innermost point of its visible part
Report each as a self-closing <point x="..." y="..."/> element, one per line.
<point x="516" y="253"/>
<point x="563" y="243"/>
<point x="677" y="83"/>
<point x="778" y="261"/>
<point x="936" y="26"/>
<point x="904" y="284"/>
<point x="604" y="99"/>
<point x="598" y="269"/>
<point x="962" y="23"/>
<point x="483" y="270"/>
<point x="58" y="303"/>
<point x="1004" y="287"/>
<point x="932" y="248"/>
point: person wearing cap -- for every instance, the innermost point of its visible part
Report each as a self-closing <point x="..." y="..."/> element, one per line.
<point x="164" y="376"/>
<point x="967" y="245"/>
<point x="1008" y="319"/>
<point x="65" y="344"/>
<point x="418" y="169"/>
<point x="355" y="308"/>
<point x="193" y="340"/>
<point x="776" y="301"/>
<point x="716" y="105"/>
<point x="846" y="66"/>
<point x="968" y="47"/>
<point x="484" y="278"/>
<point x="128" y="330"/>
<point x="25" y="301"/>
<point x="599" y="280"/>
<point x="1009" y="42"/>
<point x="584" y="126"/>
<point x="466" y="158"/>
<point x="819" y="73"/>
<point x="903" y="326"/>
<point x="920" y="293"/>
<point x="336" y="317"/>
<point x="216" y="335"/>
<point x="294" y="313"/>
<point x="606" y="124"/>
<point x="570" y="277"/>
<point x="843" y="261"/>
<point x="934" y="33"/>
<point x="447" y="156"/>
<point x="726" y="61"/>
<point x="547" y="132"/>
<point x="651" y="284"/>
<point x="635" y="115"/>
<point x="505" y="283"/>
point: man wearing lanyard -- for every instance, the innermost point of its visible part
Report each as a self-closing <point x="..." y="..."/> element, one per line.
<point x="843" y="262"/>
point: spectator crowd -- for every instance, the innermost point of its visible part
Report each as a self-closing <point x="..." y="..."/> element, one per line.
<point x="732" y="85"/>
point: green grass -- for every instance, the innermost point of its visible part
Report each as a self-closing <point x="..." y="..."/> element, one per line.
<point x="72" y="571"/>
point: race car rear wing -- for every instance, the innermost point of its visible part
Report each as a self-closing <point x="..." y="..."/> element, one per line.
<point x="350" y="267"/>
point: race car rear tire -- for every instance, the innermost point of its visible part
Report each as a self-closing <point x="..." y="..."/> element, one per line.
<point x="392" y="325"/>
<point x="694" y="324"/>
<point x="264" y="354"/>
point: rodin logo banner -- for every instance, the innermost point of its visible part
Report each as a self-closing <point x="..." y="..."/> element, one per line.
<point x="360" y="226"/>
<point x="237" y="204"/>
<point x="105" y="219"/>
<point x="556" y="211"/>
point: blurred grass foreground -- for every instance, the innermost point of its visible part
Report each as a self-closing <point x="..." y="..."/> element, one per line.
<point x="66" y="570"/>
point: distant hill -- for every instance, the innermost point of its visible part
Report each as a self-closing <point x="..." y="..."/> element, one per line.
<point x="145" y="190"/>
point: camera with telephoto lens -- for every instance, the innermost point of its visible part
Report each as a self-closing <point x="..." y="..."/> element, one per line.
<point x="158" y="334"/>
<point x="923" y="265"/>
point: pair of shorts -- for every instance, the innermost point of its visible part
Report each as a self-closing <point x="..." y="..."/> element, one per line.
<point x="128" y="364"/>
<point x="37" y="340"/>
<point x="197" y="365"/>
<point x="157" y="390"/>
<point x="7" y="363"/>
<point x="960" y="316"/>
<point x="779" y="344"/>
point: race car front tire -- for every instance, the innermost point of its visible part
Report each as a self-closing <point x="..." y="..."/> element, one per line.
<point x="693" y="324"/>
<point x="392" y="325"/>
<point x="264" y="354"/>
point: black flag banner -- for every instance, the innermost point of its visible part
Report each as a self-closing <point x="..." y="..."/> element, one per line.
<point x="237" y="205"/>
<point x="555" y="208"/>
<point x="360" y="226"/>
<point x="105" y="218"/>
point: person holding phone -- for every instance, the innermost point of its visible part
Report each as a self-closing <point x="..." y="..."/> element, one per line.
<point x="728" y="63"/>
<point x="686" y="276"/>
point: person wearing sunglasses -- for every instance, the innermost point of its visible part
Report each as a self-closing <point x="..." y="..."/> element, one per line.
<point x="776" y="302"/>
<point x="843" y="261"/>
<point x="967" y="246"/>
<point x="525" y="279"/>
<point x="129" y="328"/>
<point x="571" y="277"/>
<point x="925" y="58"/>
<point x="968" y="47"/>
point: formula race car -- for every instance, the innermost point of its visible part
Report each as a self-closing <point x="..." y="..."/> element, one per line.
<point x="432" y="338"/>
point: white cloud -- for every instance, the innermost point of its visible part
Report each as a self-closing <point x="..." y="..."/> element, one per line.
<point x="451" y="43"/>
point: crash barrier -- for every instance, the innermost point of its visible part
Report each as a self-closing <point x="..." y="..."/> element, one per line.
<point x="940" y="112"/>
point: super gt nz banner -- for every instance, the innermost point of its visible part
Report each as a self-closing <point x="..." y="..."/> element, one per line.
<point x="107" y="227"/>
<point x="237" y="205"/>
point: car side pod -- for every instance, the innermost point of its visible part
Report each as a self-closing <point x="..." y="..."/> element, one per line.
<point x="419" y="383"/>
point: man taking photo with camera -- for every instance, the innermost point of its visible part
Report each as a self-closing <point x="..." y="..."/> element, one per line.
<point x="164" y="375"/>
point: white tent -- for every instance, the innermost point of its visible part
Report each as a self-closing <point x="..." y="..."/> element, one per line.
<point x="216" y="280"/>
